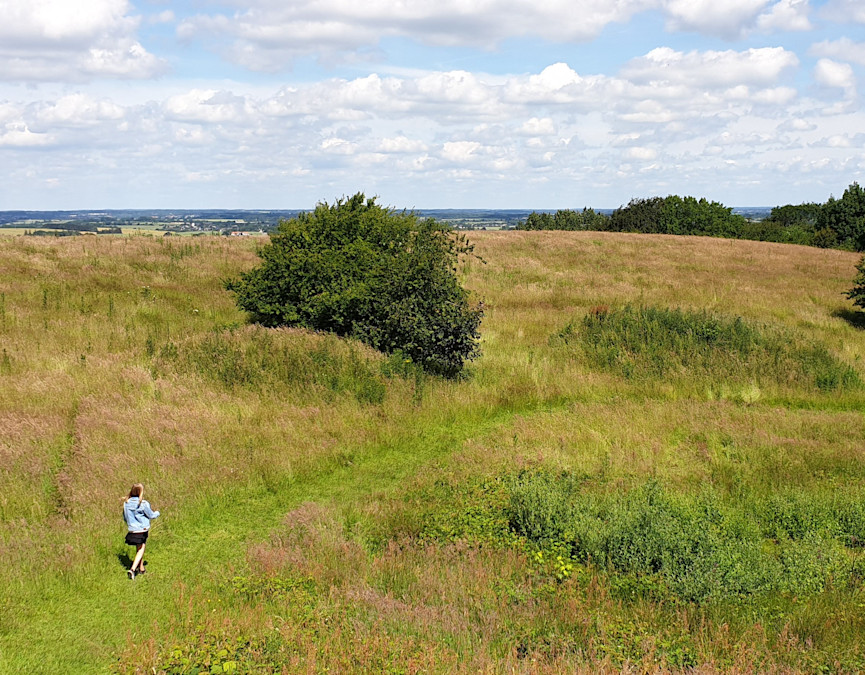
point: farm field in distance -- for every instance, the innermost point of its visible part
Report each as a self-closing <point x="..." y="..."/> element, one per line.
<point x="197" y="222"/>
<point x="656" y="465"/>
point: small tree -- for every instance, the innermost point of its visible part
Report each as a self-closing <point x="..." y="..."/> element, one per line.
<point x="357" y="269"/>
<point x="857" y="293"/>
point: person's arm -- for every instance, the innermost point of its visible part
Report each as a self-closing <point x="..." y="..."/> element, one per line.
<point x="150" y="513"/>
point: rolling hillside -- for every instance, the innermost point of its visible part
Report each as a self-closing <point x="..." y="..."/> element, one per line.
<point x="656" y="464"/>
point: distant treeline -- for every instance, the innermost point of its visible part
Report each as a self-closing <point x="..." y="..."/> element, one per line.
<point x="839" y="223"/>
<point x="70" y="230"/>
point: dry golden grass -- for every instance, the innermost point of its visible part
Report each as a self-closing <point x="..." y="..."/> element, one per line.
<point x="542" y="277"/>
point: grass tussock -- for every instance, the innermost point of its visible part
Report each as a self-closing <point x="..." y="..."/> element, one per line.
<point x="278" y="361"/>
<point x="647" y="342"/>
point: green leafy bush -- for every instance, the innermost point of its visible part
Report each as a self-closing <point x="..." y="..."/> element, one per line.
<point x="647" y="342"/>
<point x="565" y="219"/>
<point x="540" y="507"/>
<point x="700" y="547"/>
<point x="857" y="293"/>
<point x="357" y="269"/>
<point x="211" y="652"/>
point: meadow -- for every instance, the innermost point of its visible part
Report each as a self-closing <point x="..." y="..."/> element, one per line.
<point x="655" y="466"/>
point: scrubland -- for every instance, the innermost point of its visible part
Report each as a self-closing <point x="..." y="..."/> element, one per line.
<point x="608" y="489"/>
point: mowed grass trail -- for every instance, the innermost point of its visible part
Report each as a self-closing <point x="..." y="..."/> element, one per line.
<point x="328" y="509"/>
<point x="84" y="617"/>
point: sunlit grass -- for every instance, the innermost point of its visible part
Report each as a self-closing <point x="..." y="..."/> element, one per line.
<point x="122" y="359"/>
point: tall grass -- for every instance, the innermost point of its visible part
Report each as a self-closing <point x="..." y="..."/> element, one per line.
<point x="284" y="361"/>
<point x="650" y="342"/>
<point x="122" y="359"/>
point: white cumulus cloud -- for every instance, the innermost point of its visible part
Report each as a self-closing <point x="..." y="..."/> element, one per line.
<point x="269" y="35"/>
<point x="713" y="113"/>
<point x="641" y="153"/>
<point x="401" y="144"/>
<point x="789" y="15"/>
<point x="728" y="18"/>
<point x="19" y="136"/>
<point x="711" y="69"/>
<point x="460" y="151"/>
<point x="72" y="40"/>
<point x="207" y="106"/>
<point x="831" y="73"/>
<point x="539" y="126"/>
<point x="79" y="110"/>
<point x="843" y="48"/>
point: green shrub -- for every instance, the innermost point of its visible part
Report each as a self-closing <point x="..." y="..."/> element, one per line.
<point x="857" y="293"/>
<point x="699" y="546"/>
<point x="212" y="652"/>
<point x="357" y="269"/>
<point x="540" y="507"/>
<point x="647" y="342"/>
<point x="792" y="515"/>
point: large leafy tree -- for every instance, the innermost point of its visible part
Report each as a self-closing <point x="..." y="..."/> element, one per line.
<point x="640" y="215"/>
<point x="677" y="215"/>
<point x="358" y="269"/>
<point x="845" y="217"/>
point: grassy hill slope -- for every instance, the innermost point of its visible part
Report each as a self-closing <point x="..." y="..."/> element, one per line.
<point x="324" y="507"/>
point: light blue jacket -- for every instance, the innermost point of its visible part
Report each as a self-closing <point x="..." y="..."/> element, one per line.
<point x="138" y="514"/>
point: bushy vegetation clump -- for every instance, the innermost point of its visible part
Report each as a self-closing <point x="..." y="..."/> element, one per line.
<point x="789" y="224"/>
<point x="857" y="293"/>
<point x="844" y="219"/>
<point x="565" y="219"/>
<point x="650" y="342"/>
<point x="700" y="546"/>
<point x="360" y="270"/>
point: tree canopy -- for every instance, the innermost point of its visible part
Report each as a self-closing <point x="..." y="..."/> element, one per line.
<point x="845" y="218"/>
<point x="838" y="223"/>
<point x="358" y="269"/>
<point x="565" y="219"/>
<point x="677" y="215"/>
<point x="857" y="293"/>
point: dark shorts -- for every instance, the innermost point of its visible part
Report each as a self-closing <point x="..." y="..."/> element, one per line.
<point x="136" y="538"/>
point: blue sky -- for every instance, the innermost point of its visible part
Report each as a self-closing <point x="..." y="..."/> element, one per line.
<point x="428" y="103"/>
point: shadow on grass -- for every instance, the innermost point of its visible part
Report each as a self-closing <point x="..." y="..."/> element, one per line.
<point x="124" y="560"/>
<point x="854" y="318"/>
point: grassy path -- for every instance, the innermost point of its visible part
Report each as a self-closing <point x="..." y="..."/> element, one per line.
<point x="84" y="618"/>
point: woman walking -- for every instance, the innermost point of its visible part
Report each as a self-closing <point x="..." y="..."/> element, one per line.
<point x="137" y="514"/>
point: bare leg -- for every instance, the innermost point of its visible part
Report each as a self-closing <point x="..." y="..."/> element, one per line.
<point x="139" y="555"/>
